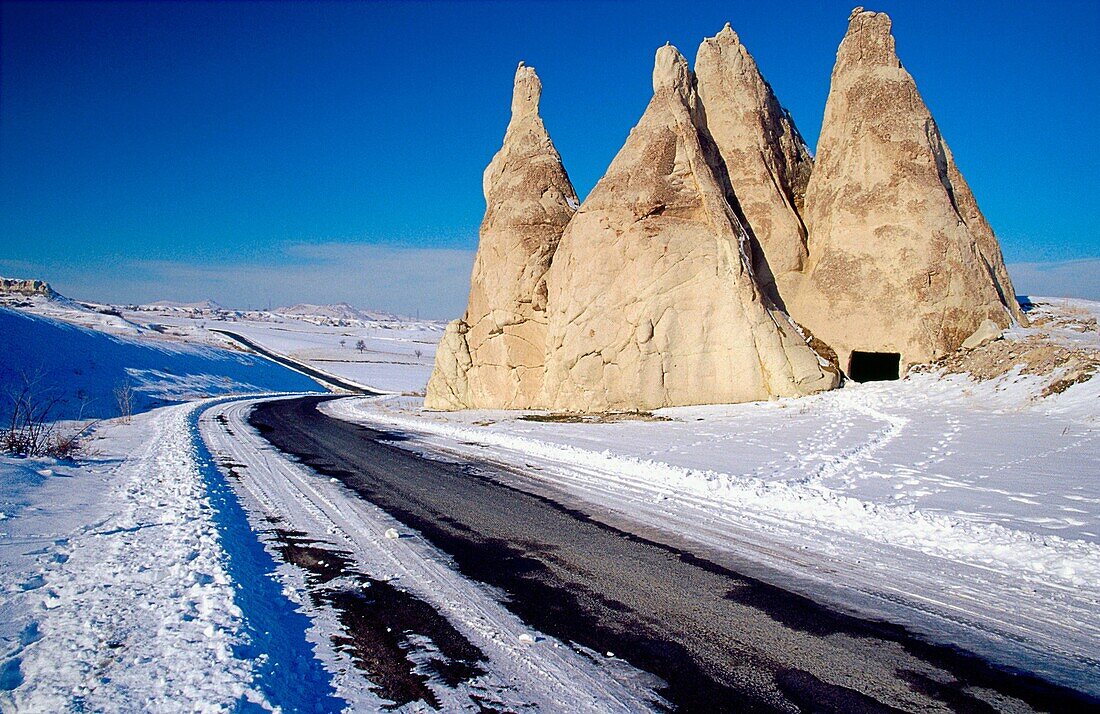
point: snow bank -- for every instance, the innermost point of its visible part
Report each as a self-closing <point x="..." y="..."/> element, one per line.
<point x="122" y="596"/>
<point x="82" y="367"/>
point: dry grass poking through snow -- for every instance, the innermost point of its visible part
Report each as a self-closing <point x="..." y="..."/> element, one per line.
<point x="604" y="418"/>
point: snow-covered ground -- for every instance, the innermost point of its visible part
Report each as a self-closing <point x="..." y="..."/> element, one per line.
<point x="152" y="572"/>
<point x="117" y="588"/>
<point x="396" y="356"/>
<point x="968" y="510"/>
<point x="81" y="367"/>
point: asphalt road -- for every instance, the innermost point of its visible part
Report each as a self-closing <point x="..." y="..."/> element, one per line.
<point x="325" y="380"/>
<point x="721" y="641"/>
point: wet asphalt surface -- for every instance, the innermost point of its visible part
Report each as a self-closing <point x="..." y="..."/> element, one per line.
<point x="721" y="641"/>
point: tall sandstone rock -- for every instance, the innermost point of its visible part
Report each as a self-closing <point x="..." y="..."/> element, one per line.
<point x="763" y="154"/>
<point x="493" y="358"/>
<point x="652" y="297"/>
<point x="900" y="258"/>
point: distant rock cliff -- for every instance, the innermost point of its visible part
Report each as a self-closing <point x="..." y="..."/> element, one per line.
<point x="16" y="286"/>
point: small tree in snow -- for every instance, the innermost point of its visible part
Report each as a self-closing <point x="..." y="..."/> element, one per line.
<point x="124" y="397"/>
<point x="418" y="352"/>
<point x="343" y="343"/>
<point x="361" y="346"/>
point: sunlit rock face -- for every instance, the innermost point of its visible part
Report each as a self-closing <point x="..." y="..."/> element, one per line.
<point x="652" y="298"/>
<point x="494" y="356"/>
<point x="766" y="161"/>
<point x="676" y="281"/>
<point x="900" y="259"/>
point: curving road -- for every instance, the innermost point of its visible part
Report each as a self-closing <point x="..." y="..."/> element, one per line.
<point x="721" y="641"/>
<point x="325" y="380"/>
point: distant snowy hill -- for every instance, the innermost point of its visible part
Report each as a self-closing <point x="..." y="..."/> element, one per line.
<point x="82" y="367"/>
<point x="340" y="312"/>
<point x="200" y="306"/>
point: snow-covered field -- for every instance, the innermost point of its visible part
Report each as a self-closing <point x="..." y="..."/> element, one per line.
<point x="396" y="355"/>
<point x="967" y="510"/>
<point x="81" y="367"/>
<point x="151" y="576"/>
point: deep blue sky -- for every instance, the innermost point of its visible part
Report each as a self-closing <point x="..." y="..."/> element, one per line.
<point x="147" y="150"/>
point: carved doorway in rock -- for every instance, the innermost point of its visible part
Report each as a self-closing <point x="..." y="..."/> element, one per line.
<point x="874" y="366"/>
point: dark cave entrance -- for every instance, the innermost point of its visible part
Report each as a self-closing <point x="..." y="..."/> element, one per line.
<point x="874" y="366"/>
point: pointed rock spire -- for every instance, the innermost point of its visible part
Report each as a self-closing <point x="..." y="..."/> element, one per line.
<point x="652" y="301"/>
<point x="900" y="258"/>
<point x="763" y="155"/>
<point x="493" y="357"/>
<point x="526" y="93"/>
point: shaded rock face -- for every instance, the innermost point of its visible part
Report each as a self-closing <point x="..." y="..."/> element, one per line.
<point x="763" y="155"/>
<point x="493" y="357"/>
<point x="900" y="258"/>
<point x="652" y="297"/>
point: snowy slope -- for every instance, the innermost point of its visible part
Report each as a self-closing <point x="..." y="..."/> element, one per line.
<point x="397" y="356"/>
<point x="82" y="367"/>
<point x="967" y="510"/>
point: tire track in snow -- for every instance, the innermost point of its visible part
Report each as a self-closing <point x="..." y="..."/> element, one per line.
<point x="525" y="668"/>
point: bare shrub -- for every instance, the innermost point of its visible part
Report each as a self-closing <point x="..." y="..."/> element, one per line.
<point x="70" y="446"/>
<point x="418" y="352"/>
<point x="124" y="397"/>
<point x="361" y="346"/>
<point x="30" y="429"/>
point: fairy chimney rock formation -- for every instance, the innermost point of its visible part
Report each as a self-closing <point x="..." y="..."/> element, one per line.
<point x="493" y="358"/>
<point x="652" y="300"/>
<point x="900" y="258"/>
<point x="764" y="156"/>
